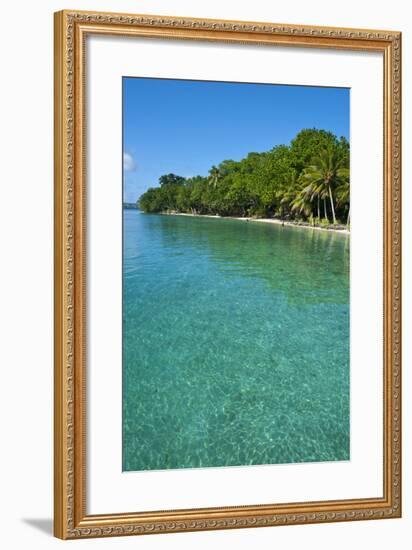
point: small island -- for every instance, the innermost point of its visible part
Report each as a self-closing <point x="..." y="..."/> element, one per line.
<point x="306" y="183"/>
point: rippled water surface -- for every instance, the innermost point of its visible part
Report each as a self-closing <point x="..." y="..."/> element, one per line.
<point x="235" y="343"/>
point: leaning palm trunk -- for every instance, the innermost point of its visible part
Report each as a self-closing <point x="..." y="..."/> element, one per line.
<point x="331" y="204"/>
<point x="324" y="208"/>
<point x="318" y="207"/>
<point x="348" y="219"/>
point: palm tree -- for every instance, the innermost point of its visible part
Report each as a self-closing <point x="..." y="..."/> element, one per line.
<point x="285" y="193"/>
<point x="302" y="203"/>
<point x="325" y="174"/>
<point x="321" y="192"/>
<point x="312" y="192"/>
<point x="214" y="176"/>
<point x="343" y="193"/>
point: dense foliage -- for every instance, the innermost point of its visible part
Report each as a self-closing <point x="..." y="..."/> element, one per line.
<point x="308" y="180"/>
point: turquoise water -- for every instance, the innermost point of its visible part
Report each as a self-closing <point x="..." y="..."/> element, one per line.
<point x="235" y="343"/>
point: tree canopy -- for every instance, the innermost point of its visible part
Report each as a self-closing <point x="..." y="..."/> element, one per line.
<point x="307" y="180"/>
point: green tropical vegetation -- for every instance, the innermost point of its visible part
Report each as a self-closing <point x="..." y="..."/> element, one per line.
<point x="306" y="181"/>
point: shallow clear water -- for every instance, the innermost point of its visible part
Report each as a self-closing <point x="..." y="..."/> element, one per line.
<point x="235" y="343"/>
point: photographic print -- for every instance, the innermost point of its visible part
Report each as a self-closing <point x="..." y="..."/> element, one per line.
<point x="227" y="274"/>
<point x="236" y="249"/>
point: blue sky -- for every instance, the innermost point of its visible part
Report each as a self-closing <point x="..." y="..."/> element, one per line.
<point x="186" y="126"/>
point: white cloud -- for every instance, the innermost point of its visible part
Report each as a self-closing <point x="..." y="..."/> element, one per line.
<point x="129" y="164"/>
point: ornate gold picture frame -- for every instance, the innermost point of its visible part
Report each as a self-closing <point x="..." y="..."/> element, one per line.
<point x="71" y="520"/>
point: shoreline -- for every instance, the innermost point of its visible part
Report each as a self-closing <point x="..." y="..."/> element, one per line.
<point x="262" y="220"/>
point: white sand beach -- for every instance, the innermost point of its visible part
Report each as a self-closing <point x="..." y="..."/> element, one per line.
<point x="299" y="225"/>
